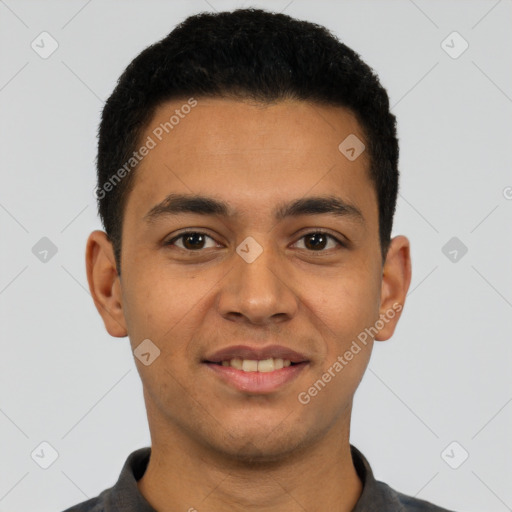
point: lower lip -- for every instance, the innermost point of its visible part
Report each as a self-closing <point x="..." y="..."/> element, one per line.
<point x="257" y="382"/>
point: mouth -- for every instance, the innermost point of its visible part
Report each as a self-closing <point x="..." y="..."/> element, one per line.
<point x="254" y="369"/>
<point x="254" y="365"/>
<point x="256" y="377"/>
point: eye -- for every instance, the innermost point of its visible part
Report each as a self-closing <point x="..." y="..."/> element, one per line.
<point x="192" y="241"/>
<point x="315" y="241"/>
<point x="318" y="240"/>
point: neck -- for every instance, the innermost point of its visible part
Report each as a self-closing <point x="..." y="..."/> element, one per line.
<point x="185" y="475"/>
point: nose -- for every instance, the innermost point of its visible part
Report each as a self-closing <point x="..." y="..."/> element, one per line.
<point x="259" y="291"/>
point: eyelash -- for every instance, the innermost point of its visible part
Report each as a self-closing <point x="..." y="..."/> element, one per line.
<point x="317" y="231"/>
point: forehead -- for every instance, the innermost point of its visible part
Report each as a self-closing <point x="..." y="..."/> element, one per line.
<point x="287" y="125"/>
<point x="249" y="153"/>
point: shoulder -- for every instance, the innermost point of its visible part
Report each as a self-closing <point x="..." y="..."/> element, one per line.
<point x="96" y="504"/>
<point x="405" y="503"/>
<point x="124" y="494"/>
<point x="378" y="495"/>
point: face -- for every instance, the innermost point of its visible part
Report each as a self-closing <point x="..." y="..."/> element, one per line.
<point x="196" y="280"/>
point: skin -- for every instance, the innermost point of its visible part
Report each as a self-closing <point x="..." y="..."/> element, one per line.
<point x="214" y="447"/>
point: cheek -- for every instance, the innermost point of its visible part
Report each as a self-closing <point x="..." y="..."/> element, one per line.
<point x="164" y="310"/>
<point x="346" y="305"/>
<point x="157" y="304"/>
<point x="344" y="309"/>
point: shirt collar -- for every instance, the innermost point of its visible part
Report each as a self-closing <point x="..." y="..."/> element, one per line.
<point x="125" y="494"/>
<point x="376" y="495"/>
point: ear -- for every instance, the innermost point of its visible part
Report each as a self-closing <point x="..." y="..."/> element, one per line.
<point x="396" y="278"/>
<point x="104" y="283"/>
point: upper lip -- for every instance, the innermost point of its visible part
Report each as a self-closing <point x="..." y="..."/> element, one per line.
<point x="255" y="353"/>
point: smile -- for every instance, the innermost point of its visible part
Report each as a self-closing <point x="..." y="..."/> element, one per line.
<point x="254" y="365"/>
<point x="256" y="376"/>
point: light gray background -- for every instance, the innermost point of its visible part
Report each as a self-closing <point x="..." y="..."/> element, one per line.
<point x="445" y="376"/>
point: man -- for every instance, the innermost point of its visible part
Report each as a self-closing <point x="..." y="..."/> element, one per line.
<point x="247" y="182"/>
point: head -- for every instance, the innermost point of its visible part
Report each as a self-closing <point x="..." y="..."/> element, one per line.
<point x="252" y="55"/>
<point x="250" y="111"/>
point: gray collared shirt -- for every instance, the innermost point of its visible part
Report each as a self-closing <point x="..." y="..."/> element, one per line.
<point x="125" y="495"/>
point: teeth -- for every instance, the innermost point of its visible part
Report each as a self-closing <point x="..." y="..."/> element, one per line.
<point x="252" y="365"/>
<point x="249" y="365"/>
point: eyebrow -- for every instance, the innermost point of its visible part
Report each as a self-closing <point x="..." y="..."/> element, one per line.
<point x="175" y="204"/>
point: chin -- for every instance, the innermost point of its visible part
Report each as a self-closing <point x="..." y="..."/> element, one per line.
<point x="258" y="444"/>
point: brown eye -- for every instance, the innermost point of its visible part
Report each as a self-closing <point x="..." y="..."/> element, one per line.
<point x="318" y="240"/>
<point x="191" y="240"/>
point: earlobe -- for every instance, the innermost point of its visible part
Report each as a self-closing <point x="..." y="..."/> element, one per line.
<point x="104" y="282"/>
<point x="396" y="278"/>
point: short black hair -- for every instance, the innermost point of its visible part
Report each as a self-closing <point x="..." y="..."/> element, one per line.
<point x="246" y="54"/>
